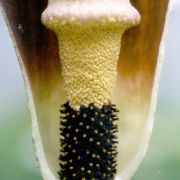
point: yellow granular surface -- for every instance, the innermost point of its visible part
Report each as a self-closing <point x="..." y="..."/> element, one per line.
<point x="89" y="35"/>
<point x="89" y="58"/>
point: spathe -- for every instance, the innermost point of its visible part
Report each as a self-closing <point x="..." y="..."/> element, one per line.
<point x="139" y="68"/>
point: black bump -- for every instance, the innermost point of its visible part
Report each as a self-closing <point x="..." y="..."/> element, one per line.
<point x="88" y="143"/>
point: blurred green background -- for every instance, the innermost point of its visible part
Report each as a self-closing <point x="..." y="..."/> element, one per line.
<point x="162" y="161"/>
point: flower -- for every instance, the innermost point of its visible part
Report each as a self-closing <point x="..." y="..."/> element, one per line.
<point x="135" y="88"/>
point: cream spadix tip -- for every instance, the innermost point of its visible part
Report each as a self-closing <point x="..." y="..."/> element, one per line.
<point x="117" y="11"/>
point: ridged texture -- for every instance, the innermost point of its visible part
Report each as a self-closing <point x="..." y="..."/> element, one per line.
<point x="88" y="143"/>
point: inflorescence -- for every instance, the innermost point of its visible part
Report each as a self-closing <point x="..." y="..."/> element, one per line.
<point x="88" y="143"/>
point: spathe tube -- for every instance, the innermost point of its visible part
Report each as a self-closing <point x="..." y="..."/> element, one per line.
<point x="138" y="68"/>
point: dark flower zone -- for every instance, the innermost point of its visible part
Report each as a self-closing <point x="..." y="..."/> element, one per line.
<point x="88" y="143"/>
